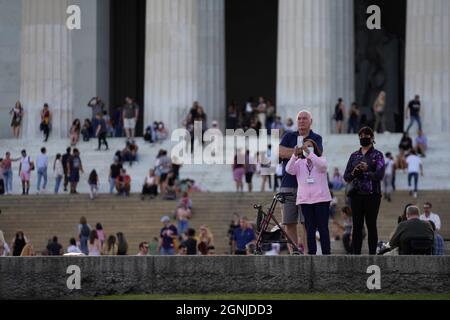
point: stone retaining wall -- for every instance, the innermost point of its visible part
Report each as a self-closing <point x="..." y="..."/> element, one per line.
<point x="47" y="277"/>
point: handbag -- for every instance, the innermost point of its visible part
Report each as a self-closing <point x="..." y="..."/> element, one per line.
<point x="350" y="189"/>
<point x="31" y="164"/>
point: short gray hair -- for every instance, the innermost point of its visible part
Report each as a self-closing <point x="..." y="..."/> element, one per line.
<point x="305" y="111"/>
<point x="412" y="211"/>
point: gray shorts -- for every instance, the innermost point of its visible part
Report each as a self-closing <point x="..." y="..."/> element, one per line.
<point x="291" y="213"/>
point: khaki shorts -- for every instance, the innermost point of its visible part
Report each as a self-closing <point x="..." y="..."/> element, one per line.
<point x="291" y="213"/>
<point x="129" y="123"/>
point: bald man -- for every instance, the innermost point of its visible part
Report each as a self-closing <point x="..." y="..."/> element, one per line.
<point x="291" y="212"/>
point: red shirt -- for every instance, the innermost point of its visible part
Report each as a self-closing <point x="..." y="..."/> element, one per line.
<point x="122" y="179"/>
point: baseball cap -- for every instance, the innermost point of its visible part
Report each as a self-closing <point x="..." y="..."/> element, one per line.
<point x="165" y="219"/>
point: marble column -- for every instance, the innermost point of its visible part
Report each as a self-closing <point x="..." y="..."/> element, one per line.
<point x="46" y="65"/>
<point x="428" y="62"/>
<point x="10" y="26"/>
<point x="315" y="58"/>
<point x="185" y="60"/>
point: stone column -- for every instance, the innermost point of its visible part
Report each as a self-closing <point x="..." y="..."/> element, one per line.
<point x="428" y="62"/>
<point x="90" y="56"/>
<point x="46" y="65"/>
<point x="185" y="60"/>
<point x="10" y="26"/>
<point x="315" y="58"/>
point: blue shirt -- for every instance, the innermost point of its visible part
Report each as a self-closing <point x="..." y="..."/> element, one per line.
<point x="289" y="140"/>
<point x="242" y="237"/>
<point x="167" y="241"/>
<point x="438" y="245"/>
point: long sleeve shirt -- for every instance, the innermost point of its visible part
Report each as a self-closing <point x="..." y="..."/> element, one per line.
<point x="369" y="182"/>
<point x="311" y="174"/>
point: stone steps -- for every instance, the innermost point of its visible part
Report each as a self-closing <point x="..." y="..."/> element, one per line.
<point x="41" y="217"/>
<point x="218" y="178"/>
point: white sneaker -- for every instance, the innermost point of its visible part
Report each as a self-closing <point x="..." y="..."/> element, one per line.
<point x="415" y="195"/>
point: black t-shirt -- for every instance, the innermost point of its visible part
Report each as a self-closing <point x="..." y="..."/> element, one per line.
<point x="54" y="249"/>
<point x="115" y="170"/>
<point x="414" y="108"/>
<point x="64" y="160"/>
<point x="338" y="114"/>
<point x="75" y="163"/>
<point x="191" y="245"/>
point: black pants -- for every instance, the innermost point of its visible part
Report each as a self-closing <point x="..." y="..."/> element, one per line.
<point x="46" y="130"/>
<point x="150" y="190"/>
<point x="365" y="207"/>
<point x="66" y="180"/>
<point x="102" y="138"/>
<point x="316" y="219"/>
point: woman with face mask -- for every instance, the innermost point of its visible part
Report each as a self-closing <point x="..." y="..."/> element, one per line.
<point x="365" y="171"/>
<point x="313" y="194"/>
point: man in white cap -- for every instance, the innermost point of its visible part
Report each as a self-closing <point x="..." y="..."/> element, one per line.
<point x="167" y="235"/>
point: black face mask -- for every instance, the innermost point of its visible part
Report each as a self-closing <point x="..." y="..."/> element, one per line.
<point x="365" y="142"/>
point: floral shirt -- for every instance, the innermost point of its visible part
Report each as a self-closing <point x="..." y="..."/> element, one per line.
<point x="367" y="183"/>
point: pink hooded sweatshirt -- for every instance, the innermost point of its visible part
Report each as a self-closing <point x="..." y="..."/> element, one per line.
<point x="310" y="193"/>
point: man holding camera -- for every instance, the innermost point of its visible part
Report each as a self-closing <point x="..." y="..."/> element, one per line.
<point x="97" y="106"/>
<point x="291" y="212"/>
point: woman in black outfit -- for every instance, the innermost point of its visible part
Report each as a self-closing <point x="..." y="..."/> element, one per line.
<point x="364" y="172"/>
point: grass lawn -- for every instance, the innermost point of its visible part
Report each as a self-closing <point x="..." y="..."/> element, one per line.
<point x="283" y="296"/>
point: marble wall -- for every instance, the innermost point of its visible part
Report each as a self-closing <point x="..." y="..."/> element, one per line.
<point x="10" y="27"/>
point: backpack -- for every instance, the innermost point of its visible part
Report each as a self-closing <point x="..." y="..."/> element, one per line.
<point x="85" y="231"/>
<point x="31" y="164"/>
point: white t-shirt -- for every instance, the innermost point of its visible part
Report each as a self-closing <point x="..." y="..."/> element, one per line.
<point x="59" y="171"/>
<point x="248" y="107"/>
<point x="414" y="163"/>
<point x="25" y="163"/>
<point x="42" y="161"/>
<point x="149" y="180"/>
<point x="73" y="249"/>
<point x="433" y="217"/>
<point x="389" y="167"/>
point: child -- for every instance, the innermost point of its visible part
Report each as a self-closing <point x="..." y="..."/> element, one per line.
<point x="100" y="233"/>
<point x="346" y="227"/>
<point x="93" y="184"/>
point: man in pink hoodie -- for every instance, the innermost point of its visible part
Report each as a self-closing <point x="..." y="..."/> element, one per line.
<point x="313" y="195"/>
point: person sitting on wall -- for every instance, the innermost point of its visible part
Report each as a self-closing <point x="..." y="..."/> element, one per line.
<point x="413" y="236"/>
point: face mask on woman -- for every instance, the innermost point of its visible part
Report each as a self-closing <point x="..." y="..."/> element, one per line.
<point x="311" y="150"/>
<point x="365" y="142"/>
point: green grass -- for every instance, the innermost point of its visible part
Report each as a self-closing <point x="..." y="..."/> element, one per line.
<point x="283" y="296"/>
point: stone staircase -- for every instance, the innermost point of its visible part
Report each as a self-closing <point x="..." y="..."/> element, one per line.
<point x="42" y="217"/>
<point x="218" y="178"/>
